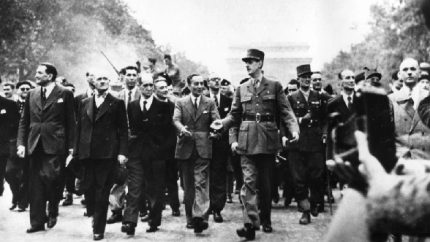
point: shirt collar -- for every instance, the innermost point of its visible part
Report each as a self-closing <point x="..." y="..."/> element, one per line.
<point x="194" y="98"/>
<point x="49" y="87"/>
<point x="148" y="101"/>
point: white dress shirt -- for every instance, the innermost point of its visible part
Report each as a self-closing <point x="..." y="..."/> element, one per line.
<point x="345" y="98"/>
<point x="49" y="89"/>
<point x="99" y="99"/>
<point x="148" y="102"/>
<point x="218" y="97"/>
<point x="193" y="100"/>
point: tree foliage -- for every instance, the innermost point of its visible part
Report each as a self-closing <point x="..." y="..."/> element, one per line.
<point x="397" y="31"/>
<point x="71" y="35"/>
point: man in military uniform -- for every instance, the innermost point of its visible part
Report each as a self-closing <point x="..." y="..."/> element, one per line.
<point x="257" y="105"/>
<point x="307" y="155"/>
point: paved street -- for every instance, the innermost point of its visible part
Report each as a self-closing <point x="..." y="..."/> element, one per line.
<point x="73" y="226"/>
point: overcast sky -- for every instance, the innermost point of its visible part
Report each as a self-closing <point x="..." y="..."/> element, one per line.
<point x="204" y="29"/>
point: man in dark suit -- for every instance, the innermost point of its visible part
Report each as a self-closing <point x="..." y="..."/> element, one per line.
<point x="46" y="134"/>
<point x="221" y="153"/>
<point x="307" y="155"/>
<point x="342" y="104"/>
<point x="118" y="194"/>
<point x="161" y="91"/>
<point x="101" y="142"/>
<point x="17" y="168"/>
<point x="9" y="118"/>
<point x="69" y="172"/>
<point x="150" y="122"/>
<point x="192" y="117"/>
<point x="259" y="110"/>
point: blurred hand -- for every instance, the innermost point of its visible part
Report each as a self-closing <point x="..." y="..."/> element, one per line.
<point x="185" y="132"/>
<point x="21" y="151"/>
<point x="284" y="141"/>
<point x="122" y="159"/>
<point x="217" y="125"/>
<point x="234" y="147"/>
<point x="295" y="137"/>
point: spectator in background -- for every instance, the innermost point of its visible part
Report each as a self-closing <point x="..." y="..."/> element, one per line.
<point x="172" y="71"/>
<point x="395" y="82"/>
<point x="292" y="86"/>
<point x="9" y="91"/>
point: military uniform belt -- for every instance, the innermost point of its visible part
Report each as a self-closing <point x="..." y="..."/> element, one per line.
<point x="259" y="117"/>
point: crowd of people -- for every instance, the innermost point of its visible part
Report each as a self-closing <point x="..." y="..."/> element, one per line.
<point x="125" y="144"/>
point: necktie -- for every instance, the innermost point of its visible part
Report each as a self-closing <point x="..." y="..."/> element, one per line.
<point x="256" y="82"/>
<point x="43" y="95"/>
<point x="129" y="97"/>
<point x="144" y="107"/>
<point x="349" y="102"/>
<point x="195" y="104"/>
<point x="216" y="100"/>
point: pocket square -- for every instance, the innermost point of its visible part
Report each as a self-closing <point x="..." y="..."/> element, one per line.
<point x="205" y="111"/>
<point x="226" y="109"/>
<point x="3" y="111"/>
<point x="60" y="100"/>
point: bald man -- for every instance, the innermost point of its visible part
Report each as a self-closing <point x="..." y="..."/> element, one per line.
<point x="412" y="136"/>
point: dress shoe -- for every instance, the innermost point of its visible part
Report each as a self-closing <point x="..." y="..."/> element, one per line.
<point x="13" y="206"/>
<point x="128" y="228"/>
<point x="305" y="219"/>
<point x="200" y="225"/>
<point x="267" y="228"/>
<point x="68" y="201"/>
<point x="152" y="229"/>
<point x="217" y="217"/>
<point x="35" y="229"/>
<point x="190" y="226"/>
<point x="98" y="236"/>
<point x="247" y="231"/>
<point x="114" y="218"/>
<point x="21" y="209"/>
<point x="176" y="213"/>
<point x="52" y="221"/>
<point x="314" y="211"/>
<point x="145" y="218"/>
<point x="83" y="202"/>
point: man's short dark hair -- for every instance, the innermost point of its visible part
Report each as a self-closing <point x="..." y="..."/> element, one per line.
<point x="122" y="71"/>
<point x="294" y="81"/>
<point x="131" y="68"/>
<point x="152" y="60"/>
<point x="190" y="77"/>
<point x="395" y="75"/>
<point x="167" y="56"/>
<point x="9" y="84"/>
<point x="50" y="69"/>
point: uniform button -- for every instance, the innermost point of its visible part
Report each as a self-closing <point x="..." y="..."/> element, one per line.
<point x="257" y="104"/>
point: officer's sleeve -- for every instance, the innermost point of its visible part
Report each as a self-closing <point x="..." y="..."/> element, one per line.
<point x="234" y="116"/>
<point x="285" y="111"/>
<point x="177" y="116"/>
<point x="232" y="136"/>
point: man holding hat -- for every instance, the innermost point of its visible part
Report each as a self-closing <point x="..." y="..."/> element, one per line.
<point x="260" y="108"/>
<point x="307" y="155"/>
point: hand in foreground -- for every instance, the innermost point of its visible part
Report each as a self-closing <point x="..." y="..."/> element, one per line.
<point x="122" y="159"/>
<point x="20" y="151"/>
<point x="234" y="146"/>
<point x="295" y="137"/>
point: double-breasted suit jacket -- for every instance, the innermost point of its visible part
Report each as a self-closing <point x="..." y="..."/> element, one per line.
<point x="9" y="118"/>
<point x="101" y="134"/>
<point x="198" y="122"/>
<point x="261" y="137"/>
<point x="150" y="132"/>
<point x="52" y="124"/>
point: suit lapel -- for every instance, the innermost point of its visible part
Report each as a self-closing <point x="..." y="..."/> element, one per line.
<point x="90" y="103"/>
<point x="53" y="96"/>
<point x="36" y="98"/>
<point x="190" y="107"/>
<point x="342" y="106"/>
<point x="104" y="107"/>
<point x="303" y="99"/>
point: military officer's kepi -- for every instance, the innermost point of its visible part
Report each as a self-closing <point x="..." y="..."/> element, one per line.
<point x="254" y="54"/>
<point x="304" y="70"/>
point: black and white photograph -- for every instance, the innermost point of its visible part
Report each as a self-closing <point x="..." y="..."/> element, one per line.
<point x="222" y="120"/>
